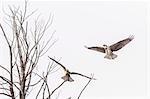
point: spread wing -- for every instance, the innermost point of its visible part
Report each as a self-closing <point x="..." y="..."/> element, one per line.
<point x="117" y="46"/>
<point x="58" y="63"/>
<point x="82" y="75"/>
<point x="99" y="49"/>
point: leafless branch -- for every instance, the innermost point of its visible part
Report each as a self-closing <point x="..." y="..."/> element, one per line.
<point x="56" y="89"/>
<point x="5" y="94"/>
<point x="85" y="87"/>
<point x="4" y="69"/>
<point x="4" y="35"/>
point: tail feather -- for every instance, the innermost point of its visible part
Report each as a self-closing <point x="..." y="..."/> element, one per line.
<point x="113" y="56"/>
<point x="67" y="78"/>
<point x="108" y="57"/>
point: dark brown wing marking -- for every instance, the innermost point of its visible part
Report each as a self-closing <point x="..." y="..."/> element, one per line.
<point x="99" y="49"/>
<point x="82" y="75"/>
<point x="58" y="63"/>
<point x="117" y="46"/>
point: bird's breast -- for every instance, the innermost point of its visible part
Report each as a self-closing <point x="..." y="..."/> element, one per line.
<point x="108" y="51"/>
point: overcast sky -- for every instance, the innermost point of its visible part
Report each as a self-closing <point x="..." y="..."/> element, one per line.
<point x="94" y="24"/>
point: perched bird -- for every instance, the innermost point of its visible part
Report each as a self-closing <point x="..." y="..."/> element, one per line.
<point x="67" y="76"/>
<point x="114" y="47"/>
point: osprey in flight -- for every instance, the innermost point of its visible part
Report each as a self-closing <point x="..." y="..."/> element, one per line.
<point x="67" y="76"/>
<point x="115" y="47"/>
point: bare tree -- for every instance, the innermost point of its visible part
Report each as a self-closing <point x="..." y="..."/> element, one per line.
<point x="26" y="47"/>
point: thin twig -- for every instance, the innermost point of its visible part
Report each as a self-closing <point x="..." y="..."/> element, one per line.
<point x="56" y="89"/>
<point x="5" y="94"/>
<point x="4" y="68"/>
<point x="85" y="87"/>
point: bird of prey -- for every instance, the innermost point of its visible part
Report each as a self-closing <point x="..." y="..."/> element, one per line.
<point x="114" y="47"/>
<point x="67" y="76"/>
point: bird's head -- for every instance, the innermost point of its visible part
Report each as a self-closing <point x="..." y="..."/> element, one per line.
<point x="67" y="71"/>
<point x="105" y="46"/>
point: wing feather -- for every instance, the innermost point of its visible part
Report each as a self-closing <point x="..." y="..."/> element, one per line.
<point x="82" y="75"/>
<point x="58" y="63"/>
<point x="117" y="46"/>
<point x="99" y="49"/>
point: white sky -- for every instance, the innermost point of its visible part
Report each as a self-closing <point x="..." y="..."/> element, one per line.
<point x="94" y="24"/>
